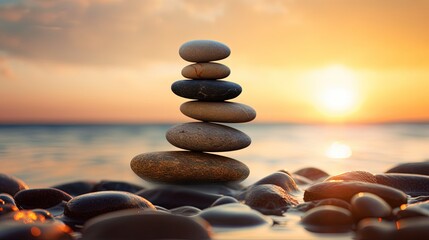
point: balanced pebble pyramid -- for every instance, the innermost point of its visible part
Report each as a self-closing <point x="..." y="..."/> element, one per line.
<point x="195" y="165"/>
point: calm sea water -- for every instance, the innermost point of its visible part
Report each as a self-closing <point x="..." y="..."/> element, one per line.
<point x="44" y="155"/>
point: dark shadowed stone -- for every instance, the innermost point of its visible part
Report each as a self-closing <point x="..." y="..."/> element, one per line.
<point x="346" y="190"/>
<point x="234" y="215"/>
<point x="137" y="225"/>
<point x="188" y="167"/>
<point x="203" y="51"/>
<point x="206" y="90"/>
<point x="53" y="230"/>
<point x="412" y="184"/>
<point x="6" y="209"/>
<point x="227" y="112"/>
<point x="208" y="70"/>
<point x="373" y="228"/>
<point x="175" y="196"/>
<point x="185" y="211"/>
<point x="359" y="176"/>
<point x="10" y="184"/>
<point x="412" y="228"/>
<point x="312" y="173"/>
<point x="368" y="205"/>
<point x="76" y="188"/>
<point x="413" y="168"/>
<point x="44" y="212"/>
<point x="7" y="199"/>
<point x="334" y="202"/>
<point x="328" y="219"/>
<point x="420" y="209"/>
<point x="40" y="198"/>
<point x="207" y="137"/>
<point x="268" y="199"/>
<point x="224" y="200"/>
<point x="107" y="185"/>
<point x="89" y="205"/>
<point x="280" y="179"/>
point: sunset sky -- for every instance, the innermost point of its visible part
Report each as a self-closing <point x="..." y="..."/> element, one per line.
<point x="297" y="61"/>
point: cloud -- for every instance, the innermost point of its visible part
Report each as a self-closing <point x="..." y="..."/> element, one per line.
<point x="5" y="70"/>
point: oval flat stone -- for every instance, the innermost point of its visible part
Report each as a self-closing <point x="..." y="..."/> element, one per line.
<point x="89" y="205"/>
<point x="328" y="219"/>
<point x="203" y="51"/>
<point x="368" y="205"/>
<point x="412" y="167"/>
<point x="312" y="173"/>
<point x="76" y="188"/>
<point x="207" y="137"/>
<point x="106" y="185"/>
<point x="10" y="184"/>
<point x="188" y="167"/>
<point x="227" y="112"/>
<point x="280" y="179"/>
<point x="346" y="190"/>
<point x="412" y="184"/>
<point x="360" y="176"/>
<point x="373" y="228"/>
<point x="206" y="90"/>
<point x="206" y="71"/>
<point x="40" y="198"/>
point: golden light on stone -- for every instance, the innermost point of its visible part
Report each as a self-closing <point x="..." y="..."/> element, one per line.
<point x="28" y="217"/>
<point x="338" y="150"/>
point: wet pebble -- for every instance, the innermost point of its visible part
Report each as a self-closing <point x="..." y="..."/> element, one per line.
<point x="368" y="205"/>
<point x="360" y="176"/>
<point x="334" y="202"/>
<point x="89" y="205"/>
<point x="40" y="198"/>
<point x="312" y="173"/>
<point x="412" y="184"/>
<point x="374" y="228"/>
<point x="224" y="200"/>
<point x="280" y="179"/>
<point x="346" y="190"/>
<point x="328" y="219"/>
<point x="268" y="199"/>
<point x="7" y="208"/>
<point x="107" y="185"/>
<point x="420" y="209"/>
<point x="54" y="230"/>
<point x="412" y="228"/>
<point x="206" y="90"/>
<point x="185" y="211"/>
<point x="7" y="199"/>
<point x="11" y="185"/>
<point x="234" y="215"/>
<point x="175" y="196"/>
<point x="412" y="167"/>
<point x="76" y="188"/>
<point x="139" y="224"/>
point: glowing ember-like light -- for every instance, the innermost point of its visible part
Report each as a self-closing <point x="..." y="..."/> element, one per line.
<point x="338" y="150"/>
<point x="28" y="217"/>
<point x="35" y="231"/>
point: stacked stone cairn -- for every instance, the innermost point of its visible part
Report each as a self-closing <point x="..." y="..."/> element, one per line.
<point x="194" y="165"/>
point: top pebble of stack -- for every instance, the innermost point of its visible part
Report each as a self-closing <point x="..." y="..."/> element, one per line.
<point x="204" y="51"/>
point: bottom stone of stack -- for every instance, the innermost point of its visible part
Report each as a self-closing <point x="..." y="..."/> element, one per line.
<point x="188" y="167"/>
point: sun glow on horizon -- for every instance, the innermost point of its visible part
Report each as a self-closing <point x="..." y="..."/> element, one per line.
<point x="338" y="150"/>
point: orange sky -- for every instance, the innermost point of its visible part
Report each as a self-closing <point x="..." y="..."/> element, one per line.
<point x="297" y="61"/>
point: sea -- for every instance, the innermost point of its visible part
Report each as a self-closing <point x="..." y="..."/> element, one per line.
<point x="47" y="154"/>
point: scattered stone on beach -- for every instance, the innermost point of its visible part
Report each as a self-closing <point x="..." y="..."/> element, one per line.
<point x="374" y="228"/>
<point x="227" y="112"/>
<point x="328" y="219"/>
<point x="176" y="196"/>
<point x="420" y="209"/>
<point x="334" y="202"/>
<point x="106" y="185"/>
<point x="209" y="70"/>
<point x="53" y="230"/>
<point x="234" y="215"/>
<point x="10" y="184"/>
<point x="346" y="190"/>
<point x="76" y="188"/>
<point x="89" y="205"/>
<point x="40" y="198"/>
<point x="361" y="176"/>
<point x="204" y="51"/>
<point x="139" y="224"/>
<point x="412" y="167"/>
<point x="268" y="199"/>
<point x="224" y="200"/>
<point x="207" y="137"/>
<point x="312" y="173"/>
<point x="368" y="205"/>
<point x="412" y="184"/>
<point x="187" y="211"/>
<point x="206" y="90"/>
<point x="280" y="179"/>
<point x="188" y="167"/>
<point x="7" y="199"/>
